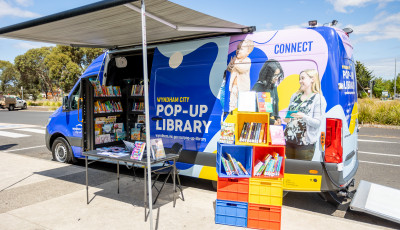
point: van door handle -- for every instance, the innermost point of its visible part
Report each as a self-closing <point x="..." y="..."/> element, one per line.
<point x="156" y="118"/>
<point x="80" y="99"/>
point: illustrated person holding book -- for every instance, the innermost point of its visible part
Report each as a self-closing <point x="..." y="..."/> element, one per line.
<point x="239" y="67"/>
<point x="269" y="77"/>
<point x="306" y="109"/>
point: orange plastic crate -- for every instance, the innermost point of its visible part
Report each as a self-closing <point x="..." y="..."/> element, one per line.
<point x="233" y="189"/>
<point x="264" y="216"/>
<point x="259" y="153"/>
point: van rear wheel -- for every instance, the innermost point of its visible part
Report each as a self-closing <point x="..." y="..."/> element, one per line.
<point x="10" y="107"/>
<point x="332" y="198"/>
<point x="62" y="151"/>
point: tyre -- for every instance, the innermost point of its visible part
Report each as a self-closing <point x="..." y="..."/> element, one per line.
<point x="62" y="151"/>
<point x="332" y="198"/>
<point x="214" y="184"/>
<point x="10" y="107"/>
<point x="24" y="106"/>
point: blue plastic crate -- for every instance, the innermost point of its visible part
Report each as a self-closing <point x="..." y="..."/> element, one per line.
<point x="231" y="213"/>
<point x="241" y="153"/>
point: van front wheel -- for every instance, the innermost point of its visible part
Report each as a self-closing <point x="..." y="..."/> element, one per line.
<point x="61" y="151"/>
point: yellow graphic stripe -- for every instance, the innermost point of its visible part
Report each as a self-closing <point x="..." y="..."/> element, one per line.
<point x="209" y="173"/>
<point x="286" y="89"/>
<point x="354" y="116"/>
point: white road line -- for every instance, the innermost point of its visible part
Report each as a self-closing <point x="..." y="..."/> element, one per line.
<point x="12" y="135"/>
<point x="41" y="131"/>
<point x="380" y="154"/>
<point x="379" y="163"/>
<point x="33" y="147"/>
<point x="389" y="142"/>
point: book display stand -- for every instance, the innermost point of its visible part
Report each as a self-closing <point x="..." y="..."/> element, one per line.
<point x="252" y="200"/>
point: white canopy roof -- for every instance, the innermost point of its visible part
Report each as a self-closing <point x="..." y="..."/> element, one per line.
<point x="117" y="23"/>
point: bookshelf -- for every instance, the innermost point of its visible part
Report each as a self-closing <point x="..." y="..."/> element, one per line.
<point x="134" y="97"/>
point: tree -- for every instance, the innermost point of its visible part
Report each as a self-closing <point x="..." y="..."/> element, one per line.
<point x="62" y="70"/>
<point x="33" y="71"/>
<point x="363" y="77"/>
<point x="81" y="56"/>
<point x="9" y="78"/>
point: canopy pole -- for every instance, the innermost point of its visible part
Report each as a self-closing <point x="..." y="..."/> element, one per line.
<point x="146" y="107"/>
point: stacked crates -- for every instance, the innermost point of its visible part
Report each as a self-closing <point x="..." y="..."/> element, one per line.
<point x="248" y="200"/>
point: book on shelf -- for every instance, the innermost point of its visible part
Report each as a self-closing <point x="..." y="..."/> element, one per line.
<point x="138" y="150"/>
<point x="232" y="166"/>
<point x="232" y="162"/>
<point x="141" y="119"/>
<point x="247" y="101"/>
<point x="137" y="90"/>
<point x="157" y="148"/>
<point x="135" y="134"/>
<point x="264" y="102"/>
<point x="277" y="135"/>
<point x="227" y="133"/>
<point x="253" y="132"/>
<point x="269" y="166"/>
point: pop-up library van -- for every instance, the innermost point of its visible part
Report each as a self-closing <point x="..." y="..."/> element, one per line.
<point x="197" y="81"/>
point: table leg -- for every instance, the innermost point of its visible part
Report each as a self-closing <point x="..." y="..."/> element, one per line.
<point x="118" y="175"/>
<point x="145" y="194"/>
<point x="87" y="180"/>
<point x="173" y="179"/>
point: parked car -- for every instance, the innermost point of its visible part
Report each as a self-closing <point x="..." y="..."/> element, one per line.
<point x="12" y="102"/>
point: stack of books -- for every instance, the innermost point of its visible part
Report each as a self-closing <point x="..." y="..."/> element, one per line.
<point x="107" y="107"/>
<point x="137" y="90"/>
<point x="138" y="106"/>
<point x="270" y="166"/>
<point x="253" y="132"/>
<point x="232" y="166"/>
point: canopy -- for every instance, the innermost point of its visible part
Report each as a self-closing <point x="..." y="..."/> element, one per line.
<point x="117" y="23"/>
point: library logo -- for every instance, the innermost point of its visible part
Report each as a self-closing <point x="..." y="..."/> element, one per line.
<point x="77" y="130"/>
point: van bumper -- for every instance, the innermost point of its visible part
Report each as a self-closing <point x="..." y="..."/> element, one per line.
<point x="47" y="139"/>
<point x="298" y="176"/>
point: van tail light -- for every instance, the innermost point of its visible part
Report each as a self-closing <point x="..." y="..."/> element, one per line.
<point x="333" y="141"/>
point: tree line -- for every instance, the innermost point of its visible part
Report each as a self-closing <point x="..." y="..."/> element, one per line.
<point x="45" y="69"/>
<point x="48" y="69"/>
<point x="366" y="79"/>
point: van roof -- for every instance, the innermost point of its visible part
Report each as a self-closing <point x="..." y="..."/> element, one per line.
<point x="117" y="23"/>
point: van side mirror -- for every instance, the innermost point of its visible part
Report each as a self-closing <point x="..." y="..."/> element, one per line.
<point x="65" y="103"/>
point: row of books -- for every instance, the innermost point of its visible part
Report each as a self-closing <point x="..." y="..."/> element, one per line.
<point x="271" y="165"/>
<point x="105" y="91"/>
<point x="107" y="107"/>
<point x="137" y="90"/>
<point x="138" y="106"/>
<point x="253" y="132"/>
<point x="232" y="166"/>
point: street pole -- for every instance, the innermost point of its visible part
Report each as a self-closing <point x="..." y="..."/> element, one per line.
<point x="395" y="79"/>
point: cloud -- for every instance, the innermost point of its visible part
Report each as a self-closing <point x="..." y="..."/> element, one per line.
<point x="7" y="10"/>
<point x="30" y="45"/>
<point x="383" y="68"/>
<point x="341" y="5"/>
<point x="303" y="25"/>
<point x="24" y="3"/>
<point x="382" y="27"/>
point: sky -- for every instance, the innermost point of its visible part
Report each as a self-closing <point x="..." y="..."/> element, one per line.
<point x="376" y="23"/>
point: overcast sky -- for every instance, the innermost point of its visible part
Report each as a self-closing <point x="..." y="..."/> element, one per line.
<point x="376" y="23"/>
